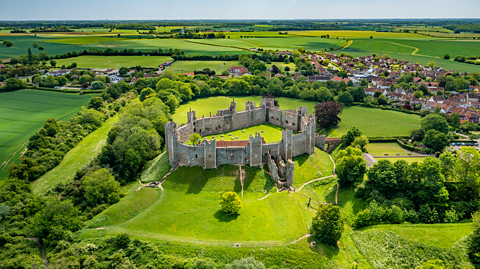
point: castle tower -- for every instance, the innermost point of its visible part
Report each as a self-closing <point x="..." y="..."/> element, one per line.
<point x="191" y="116"/>
<point x="171" y="142"/>
<point x="255" y="150"/>
<point x="288" y="144"/>
<point x="289" y="172"/>
<point x="210" y="152"/>
<point x="311" y="128"/>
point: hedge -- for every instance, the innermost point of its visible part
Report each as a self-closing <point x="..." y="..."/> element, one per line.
<point x="66" y="90"/>
<point x="407" y="147"/>
<point x="387" y="108"/>
<point x="461" y="141"/>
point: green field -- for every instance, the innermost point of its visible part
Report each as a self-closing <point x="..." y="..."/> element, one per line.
<point x="394" y="123"/>
<point x="115" y="62"/>
<point x="77" y="158"/>
<point x="271" y="133"/>
<point x="284" y="43"/>
<point x="23" y="113"/>
<point x="392" y="149"/>
<point x="181" y="67"/>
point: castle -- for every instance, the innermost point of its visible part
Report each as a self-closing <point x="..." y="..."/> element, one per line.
<point x="253" y="152"/>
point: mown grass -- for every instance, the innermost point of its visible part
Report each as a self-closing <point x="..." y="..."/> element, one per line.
<point x="156" y="168"/>
<point x="356" y="34"/>
<point x="392" y="149"/>
<point x="181" y="67"/>
<point x="377" y="122"/>
<point x="271" y="133"/>
<point x="188" y="209"/>
<point x="23" y="113"/>
<point x="77" y="158"/>
<point x="311" y="167"/>
<point x="115" y="62"/>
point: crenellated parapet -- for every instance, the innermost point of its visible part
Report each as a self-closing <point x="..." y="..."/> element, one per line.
<point x="298" y="136"/>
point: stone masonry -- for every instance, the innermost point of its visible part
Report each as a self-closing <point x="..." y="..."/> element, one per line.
<point x="254" y="152"/>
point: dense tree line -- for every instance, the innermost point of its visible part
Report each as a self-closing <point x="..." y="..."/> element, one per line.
<point x="443" y="190"/>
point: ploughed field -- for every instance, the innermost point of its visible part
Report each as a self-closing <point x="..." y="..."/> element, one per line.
<point x="372" y="122"/>
<point x="23" y="113"/>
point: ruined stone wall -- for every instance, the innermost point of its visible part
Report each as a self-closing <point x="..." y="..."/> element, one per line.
<point x="320" y="141"/>
<point x="231" y="155"/>
<point x="255" y="153"/>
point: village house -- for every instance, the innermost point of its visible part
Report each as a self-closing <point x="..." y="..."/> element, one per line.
<point x="238" y="71"/>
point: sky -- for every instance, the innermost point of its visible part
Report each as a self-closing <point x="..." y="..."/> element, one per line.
<point x="231" y="9"/>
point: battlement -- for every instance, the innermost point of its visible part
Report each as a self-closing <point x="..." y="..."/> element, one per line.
<point x="253" y="152"/>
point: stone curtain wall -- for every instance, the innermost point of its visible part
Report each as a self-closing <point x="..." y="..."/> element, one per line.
<point x="209" y="156"/>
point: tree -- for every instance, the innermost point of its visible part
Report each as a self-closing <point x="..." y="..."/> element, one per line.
<point x="474" y="248"/>
<point x="172" y="102"/>
<point x="435" y="122"/>
<point x="349" y="137"/>
<point x="431" y="64"/>
<point x="231" y="203"/>
<point x="446" y="56"/>
<point x="97" y="85"/>
<point x="435" y="140"/>
<point x="382" y="100"/>
<point x="454" y="120"/>
<point x="350" y="166"/>
<point x="417" y="134"/>
<point x="324" y="94"/>
<point x="146" y="93"/>
<point x="62" y="80"/>
<point x="85" y="85"/>
<point x="327" y="225"/>
<point x="96" y="103"/>
<point x="193" y="138"/>
<point x="327" y="114"/>
<point x="246" y="263"/>
<point x="53" y="63"/>
<point x="287" y="68"/>
<point x="433" y="264"/>
<point x="345" y="98"/>
<point x="56" y="219"/>
<point x="51" y="127"/>
<point x="35" y="45"/>
<point x="7" y="43"/>
<point x="101" y="188"/>
<point x="360" y="142"/>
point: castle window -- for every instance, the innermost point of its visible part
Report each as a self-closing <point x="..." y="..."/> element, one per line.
<point x="196" y="156"/>
<point x="293" y="124"/>
<point x="209" y="156"/>
<point x="194" y="130"/>
<point x="287" y="121"/>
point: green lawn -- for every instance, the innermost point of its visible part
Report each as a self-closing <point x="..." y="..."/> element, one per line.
<point x="115" y="62"/>
<point x="23" y="113"/>
<point x="392" y="149"/>
<point x="77" y="158"/>
<point x="188" y="209"/>
<point x="181" y="67"/>
<point x="377" y="122"/>
<point x="409" y="160"/>
<point x="271" y="133"/>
